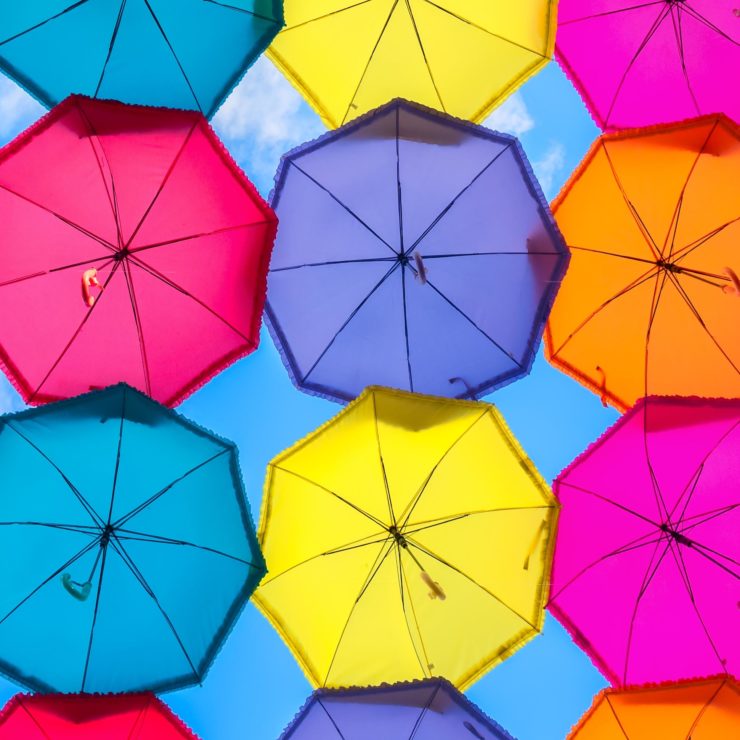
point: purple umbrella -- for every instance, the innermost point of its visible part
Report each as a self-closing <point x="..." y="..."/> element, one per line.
<point x="431" y="709"/>
<point x="415" y="251"/>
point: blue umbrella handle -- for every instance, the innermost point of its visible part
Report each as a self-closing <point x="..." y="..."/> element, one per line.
<point x="79" y="591"/>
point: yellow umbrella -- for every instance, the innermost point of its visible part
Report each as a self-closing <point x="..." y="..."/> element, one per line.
<point x="460" y="56"/>
<point x="410" y="536"/>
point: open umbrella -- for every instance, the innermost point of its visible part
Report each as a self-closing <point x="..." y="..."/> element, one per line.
<point x="132" y="249"/>
<point x="460" y="56"/>
<point x="647" y="564"/>
<point x="174" y="53"/>
<point x="409" y="537"/>
<point x="650" y="302"/>
<point x="430" y="709"/>
<point x="640" y="63"/>
<point x="90" y="717"/>
<point x="415" y="251"/>
<point x="708" y="709"/>
<point x="128" y="546"/>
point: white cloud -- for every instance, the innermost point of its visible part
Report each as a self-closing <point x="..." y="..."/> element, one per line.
<point x="17" y="109"/>
<point x="511" y="117"/>
<point x="548" y="167"/>
<point x="262" y="119"/>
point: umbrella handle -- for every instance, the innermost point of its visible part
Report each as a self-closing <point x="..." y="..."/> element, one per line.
<point x="79" y="591"/>
<point x="421" y="270"/>
<point x="89" y="281"/>
<point x="733" y="289"/>
<point x="435" y="590"/>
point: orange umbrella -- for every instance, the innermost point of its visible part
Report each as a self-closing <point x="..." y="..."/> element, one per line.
<point x="651" y="301"/>
<point x="703" y="710"/>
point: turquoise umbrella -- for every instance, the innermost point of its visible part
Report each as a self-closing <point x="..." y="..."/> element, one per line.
<point x="174" y="53"/>
<point x="127" y="545"/>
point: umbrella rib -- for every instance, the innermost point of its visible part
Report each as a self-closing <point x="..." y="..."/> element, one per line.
<point x="85" y="504"/>
<point x="379" y="560"/>
<point x="23" y="278"/>
<point x="472" y="323"/>
<point x="131" y="565"/>
<point x="349" y="319"/>
<point x="64" y="220"/>
<point x="139" y="328"/>
<point x="406" y="327"/>
<point x="712" y="514"/>
<point x="118" y="456"/>
<point x="94" y="619"/>
<point x="702" y="240"/>
<point x="424" y="55"/>
<point x="678" y="32"/>
<point x="174" y="55"/>
<point x="424" y="665"/>
<point x="398" y="179"/>
<point x="636" y="283"/>
<point x="66" y="10"/>
<point x="454" y="200"/>
<point x="424" y="711"/>
<point x="189" y="237"/>
<point x="22" y="704"/>
<point x="370" y="59"/>
<point x="146" y="267"/>
<point x="616" y="717"/>
<point x="331" y="719"/>
<point x="66" y="565"/>
<point x="243" y="10"/>
<point x="611" y="12"/>
<point x="704" y="550"/>
<point x="496" y="254"/>
<point x="609" y="501"/>
<point x="697" y="16"/>
<point x="136" y="510"/>
<point x="485" y="30"/>
<point x="77" y="528"/>
<point x="406" y="515"/>
<point x="343" y="205"/>
<point x="333" y="262"/>
<point x="441" y="560"/>
<point x="336" y="495"/>
<point x="651" y="32"/>
<point x="706" y="706"/>
<point x="432" y="523"/>
<point x="113" y="38"/>
<point x="382" y="464"/>
<point x="165" y="180"/>
<point x="87" y="316"/>
<point x="321" y="17"/>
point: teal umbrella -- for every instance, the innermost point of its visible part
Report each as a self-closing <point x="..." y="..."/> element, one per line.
<point x="127" y="545"/>
<point x="174" y="53"/>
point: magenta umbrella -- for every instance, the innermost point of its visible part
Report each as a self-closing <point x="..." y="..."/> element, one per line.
<point x="647" y="564"/>
<point x="636" y="62"/>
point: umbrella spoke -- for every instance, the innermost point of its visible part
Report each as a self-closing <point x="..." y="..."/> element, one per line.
<point x="99" y="262"/>
<point x="405" y="593"/>
<point x="190" y="237"/>
<point x="701" y="550"/>
<point x="612" y="12"/>
<point x="77" y="528"/>
<point x="425" y="710"/>
<point x="293" y="27"/>
<point x="329" y="263"/>
<point x="118" y="456"/>
<point x="432" y="523"/>
<point x="389" y="499"/>
<point x="678" y="32"/>
<point x="54" y="17"/>
<point x="398" y="180"/>
<point x="706" y="516"/>
<point x="95" y="616"/>
<point x="706" y="706"/>
<point x="588" y="491"/>
<point x="139" y="329"/>
<point x="424" y="55"/>
<point x="406" y="327"/>
<point x="112" y="43"/>
<point x="244" y="10"/>
<point x="696" y="15"/>
<point x="702" y="240"/>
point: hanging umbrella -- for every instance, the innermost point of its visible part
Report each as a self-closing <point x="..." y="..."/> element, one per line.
<point x="132" y="249"/>
<point x="174" y="53"/>
<point x="650" y="301"/>
<point x="409" y="537"/>
<point x="647" y="564"/>
<point x="430" y="709"/>
<point x="703" y="710"/>
<point x="640" y="63"/>
<point x="414" y="251"/>
<point x="90" y="717"/>
<point x="128" y="546"/>
<point x="347" y="57"/>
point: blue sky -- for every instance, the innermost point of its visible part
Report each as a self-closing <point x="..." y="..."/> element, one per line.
<point x="255" y="687"/>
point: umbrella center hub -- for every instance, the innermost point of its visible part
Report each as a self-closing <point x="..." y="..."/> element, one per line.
<point x="403" y="259"/>
<point x="398" y="537"/>
<point x="675" y="535"/>
<point x="106" y="535"/>
<point x="665" y="265"/>
<point x="121" y="254"/>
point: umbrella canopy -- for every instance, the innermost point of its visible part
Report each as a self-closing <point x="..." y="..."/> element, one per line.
<point x="174" y="53"/>
<point x="640" y="63"/>
<point x="460" y="56"/>
<point x="431" y="709"/>
<point x="136" y="244"/>
<point x="702" y="710"/>
<point x="416" y="520"/>
<point x="131" y="545"/>
<point x="646" y="574"/>
<point x="414" y="251"/>
<point x="90" y="717"/>
<point x="650" y="301"/>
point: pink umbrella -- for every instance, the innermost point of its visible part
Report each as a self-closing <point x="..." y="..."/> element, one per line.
<point x="637" y="63"/>
<point x="132" y="248"/>
<point x="647" y="563"/>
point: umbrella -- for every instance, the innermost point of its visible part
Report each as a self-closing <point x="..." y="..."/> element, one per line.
<point x="429" y="709"/>
<point x="649" y="304"/>
<point x="175" y="53"/>
<point x="640" y="63"/>
<point x="414" y="251"/>
<point x="703" y="710"/>
<point x="347" y="57"/>
<point x="90" y="717"/>
<point x="409" y="537"/>
<point x="132" y="249"/>
<point x="647" y="563"/>
<point x="128" y="546"/>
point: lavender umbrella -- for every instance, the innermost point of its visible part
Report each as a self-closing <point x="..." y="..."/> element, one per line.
<point x="431" y="709"/>
<point x="414" y="251"/>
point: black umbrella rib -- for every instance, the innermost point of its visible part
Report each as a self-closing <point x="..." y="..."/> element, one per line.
<point x="331" y="719"/>
<point x="702" y="240"/>
<point x="66" y="10"/>
<point x="321" y="17"/>
<point x="330" y="263"/>
<point x="399" y="194"/>
<point x="697" y="16"/>
<point x="616" y="717"/>
<point x="609" y="501"/>
<point x="95" y="618"/>
<point x="112" y="43"/>
<point x="424" y="711"/>
<point x="102" y="262"/>
<point x="127" y="517"/>
<point x="77" y="528"/>
<point x="118" y="456"/>
<point x="139" y="327"/>
<point x="174" y="54"/>
<point x="424" y="55"/>
<point x="706" y="706"/>
<point x="402" y="580"/>
<point x="382" y="465"/>
<point x="190" y="237"/>
<point x="228" y="6"/>
<point x="611" y="12"/>
<point x="678" y="32"/>
<point x="406" y="328"/>
<point x="78" y="495"/>
<point x="433" y="523"/>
